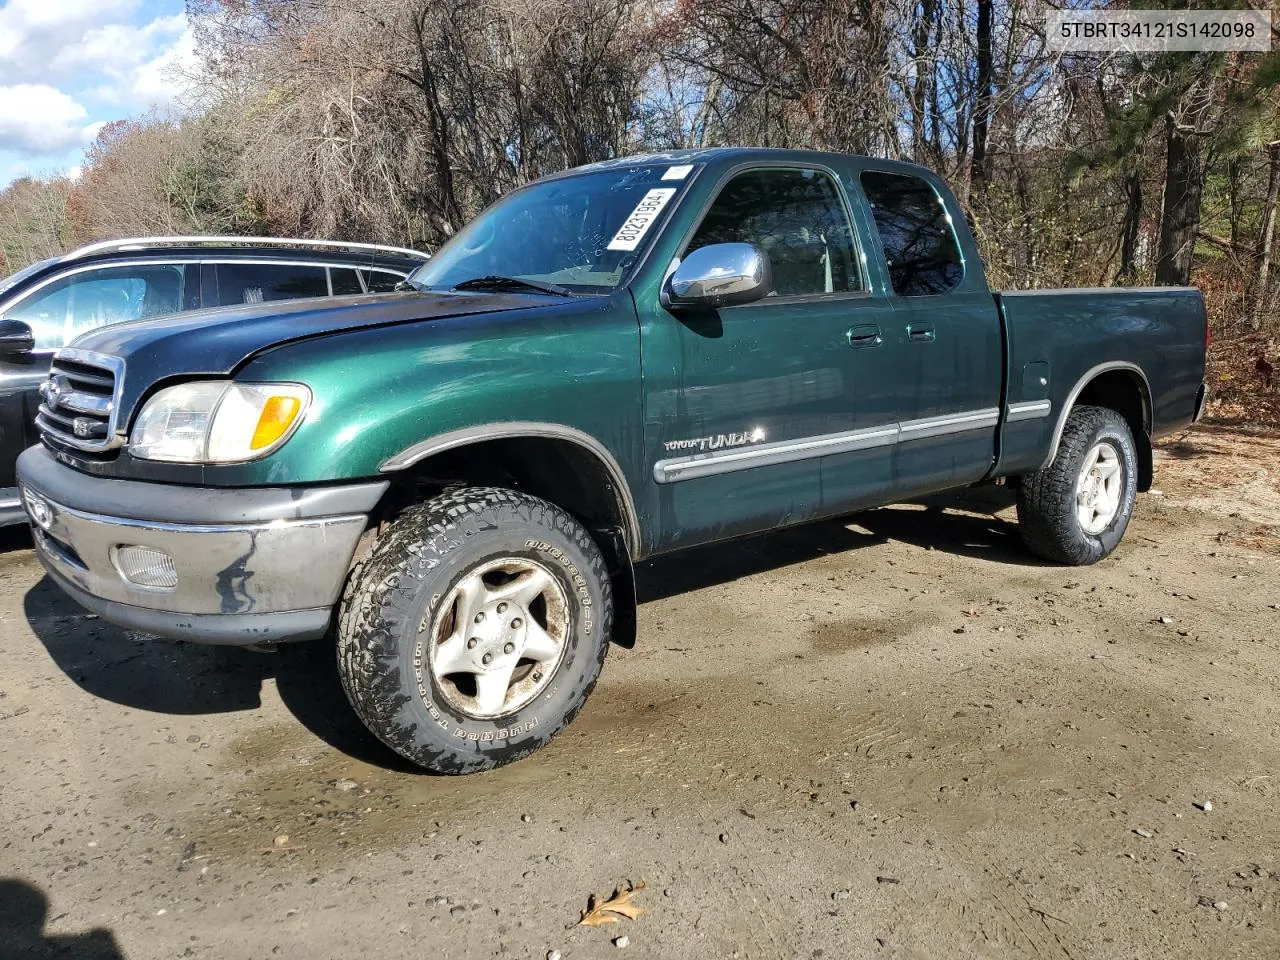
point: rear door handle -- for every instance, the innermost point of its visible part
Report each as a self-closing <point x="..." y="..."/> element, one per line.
<point x="867" y="335"/>
<point x="920" y="332"/>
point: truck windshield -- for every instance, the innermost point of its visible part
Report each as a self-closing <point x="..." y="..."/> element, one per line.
<point x="581" y="233"/>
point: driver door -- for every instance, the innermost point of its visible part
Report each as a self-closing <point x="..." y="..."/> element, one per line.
<point x="741" y="401"/>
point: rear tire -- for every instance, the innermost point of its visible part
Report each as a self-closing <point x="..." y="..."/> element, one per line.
<point x="1076" y="510"/>
<point x="475" y="629"/>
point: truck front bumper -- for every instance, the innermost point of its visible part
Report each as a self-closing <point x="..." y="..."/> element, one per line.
<point x="229" y="566"/>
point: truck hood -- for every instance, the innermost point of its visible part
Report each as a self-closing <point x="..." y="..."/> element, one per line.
<point x="215" y="342"/>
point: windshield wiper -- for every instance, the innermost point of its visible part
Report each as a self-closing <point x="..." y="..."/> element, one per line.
<point x="511" y="283"/>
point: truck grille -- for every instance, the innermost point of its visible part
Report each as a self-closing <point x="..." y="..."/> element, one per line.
<point x="80" y="400"/>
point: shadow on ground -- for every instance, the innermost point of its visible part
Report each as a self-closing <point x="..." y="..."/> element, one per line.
<point x="964" y="523"/>
<point x="168" y="676"/>
<point x="15" y="537"/>
<point x="165" y="676"/>
<point x="23" y="912"/>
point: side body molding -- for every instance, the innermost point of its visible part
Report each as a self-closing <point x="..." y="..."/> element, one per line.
<point x="806" y="448"/>
<point x="1086" y="378"/>
<point x="521" y="428"/>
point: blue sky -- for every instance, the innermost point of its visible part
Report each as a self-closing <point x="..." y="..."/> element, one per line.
<point x="69" y="66"/>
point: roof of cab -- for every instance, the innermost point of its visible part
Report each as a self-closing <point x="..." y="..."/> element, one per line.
<point x="733" y="155"/>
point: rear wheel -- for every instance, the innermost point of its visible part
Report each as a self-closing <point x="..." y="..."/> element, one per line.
<point x="1076" y="510"/>
<point x="475" y="630"/>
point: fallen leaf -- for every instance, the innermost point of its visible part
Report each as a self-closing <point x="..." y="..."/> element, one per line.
<point x="600" y="912"/>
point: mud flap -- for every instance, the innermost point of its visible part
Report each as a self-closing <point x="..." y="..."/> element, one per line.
<point x="623" y="577"/>
<point x="1146" y="463"/>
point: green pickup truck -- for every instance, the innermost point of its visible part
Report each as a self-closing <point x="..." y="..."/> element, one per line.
<point x="454" y="481"/>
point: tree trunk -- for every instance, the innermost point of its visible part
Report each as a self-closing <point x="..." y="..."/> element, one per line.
<point x="1132" y="228"/>
<point x="1180" y="221"/>
<point x="922" y="80"/>
<point x="1262" y="282"/>
<point x="1235" y="199"/>
<point x="982" y="104"/>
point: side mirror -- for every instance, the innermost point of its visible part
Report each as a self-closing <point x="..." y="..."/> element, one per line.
<point x="15" y="339"/>
<point x="720" y="275"/>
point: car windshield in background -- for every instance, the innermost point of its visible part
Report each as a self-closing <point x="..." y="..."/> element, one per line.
<point x="581" y="233"/>
<point x="11" y="281"/>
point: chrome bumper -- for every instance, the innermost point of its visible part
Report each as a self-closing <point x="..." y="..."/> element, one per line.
<point x="236" y="583"/>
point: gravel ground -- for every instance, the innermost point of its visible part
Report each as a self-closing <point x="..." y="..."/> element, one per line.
<point x="890" y="737"/>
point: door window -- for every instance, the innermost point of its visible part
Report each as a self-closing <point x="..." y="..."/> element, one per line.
<point x="264" y="282"/>
<point x="380" y="281"/>
<point x="915" y="230"/>
<point x="345" y="281"/>
<point x="798" y="218"/>
<point x="66" y="308"/>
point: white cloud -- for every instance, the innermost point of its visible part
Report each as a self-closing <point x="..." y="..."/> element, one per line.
<point x="161" y="78"/>
<point x="35" y="35"/>
<point x="106" y="47"/>
<point x="134" y="66"/>
<point x="91" y="44"/>
<point x="38" y="119"/>
<point x="67" y="67"/>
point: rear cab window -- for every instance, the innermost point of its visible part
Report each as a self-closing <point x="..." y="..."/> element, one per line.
<point x="916" y="232"/>
<point x="798" y="217"/>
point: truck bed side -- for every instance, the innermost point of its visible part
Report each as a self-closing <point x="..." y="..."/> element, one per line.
<point x="1066" y="346"/>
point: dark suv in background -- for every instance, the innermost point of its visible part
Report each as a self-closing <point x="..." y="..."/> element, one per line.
<point x="47" y="305"/>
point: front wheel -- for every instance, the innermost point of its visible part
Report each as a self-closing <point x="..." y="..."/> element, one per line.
<point x="1076" y="510"/>
<point x="475" y="630"/>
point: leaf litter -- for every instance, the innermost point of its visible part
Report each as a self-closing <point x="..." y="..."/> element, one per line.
<point x="612" y="910"/>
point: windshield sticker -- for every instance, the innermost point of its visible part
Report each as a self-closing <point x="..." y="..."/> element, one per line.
<point x="637" y="225"/>
<point x="678" y="172"/>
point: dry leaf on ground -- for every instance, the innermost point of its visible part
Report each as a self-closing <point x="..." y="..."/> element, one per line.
<point x="600" y="912"/>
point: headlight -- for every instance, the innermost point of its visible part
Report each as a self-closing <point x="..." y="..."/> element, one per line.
<point x="218" y="421"/>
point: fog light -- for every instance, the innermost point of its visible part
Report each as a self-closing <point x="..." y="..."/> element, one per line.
<point x="39" y="509"/>
<point x="146" y="567"/>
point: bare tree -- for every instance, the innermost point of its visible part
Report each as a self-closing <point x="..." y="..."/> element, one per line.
<point x="1262" y="281"/>
<point x="33" y="222"/>
<point x="1183" y="188"/>
<point x="396" y="120"/>
<point x="399" y="119"/>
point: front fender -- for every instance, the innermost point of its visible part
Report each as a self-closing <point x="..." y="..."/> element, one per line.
<point x="382" y="395"/>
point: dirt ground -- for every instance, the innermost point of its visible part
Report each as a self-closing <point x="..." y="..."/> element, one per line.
<point x="893" y="737"/>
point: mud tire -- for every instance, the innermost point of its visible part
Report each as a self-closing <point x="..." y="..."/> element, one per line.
<point x="413" y="565"/>
<point x="1047" y="514"/>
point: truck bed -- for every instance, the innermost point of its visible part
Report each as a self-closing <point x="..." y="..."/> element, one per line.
<point x="1058" y="342"/>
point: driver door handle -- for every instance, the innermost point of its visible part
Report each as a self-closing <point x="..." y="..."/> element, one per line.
<point x="867" y="335"/>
